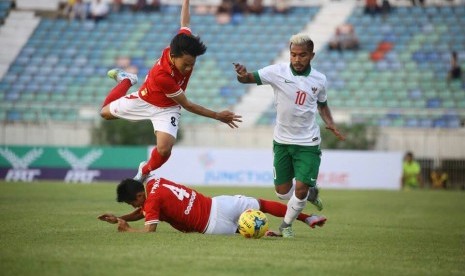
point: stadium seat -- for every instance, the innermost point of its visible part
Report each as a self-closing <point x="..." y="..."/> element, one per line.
<point x="67" y="61"/>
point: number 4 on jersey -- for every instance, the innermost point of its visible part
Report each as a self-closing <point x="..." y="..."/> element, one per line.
<point x="180" y="193"/>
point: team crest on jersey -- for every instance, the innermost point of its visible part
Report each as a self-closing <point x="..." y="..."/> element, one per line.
<point x="143" y="92"/>
<point x="314" y="89"/>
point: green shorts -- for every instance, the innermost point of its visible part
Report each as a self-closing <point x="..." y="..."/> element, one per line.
<point x="294" y="161"/>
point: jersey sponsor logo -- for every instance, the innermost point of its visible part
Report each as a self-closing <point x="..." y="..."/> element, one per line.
<point x="315" y="139"/>
<point x="79" y="171"/>
<point x="20" y="170"/>
<point x="314" y="89"/>
<point x="191" y="202"/>
<point x="143" y="92"/>
<point x="155" y="185"/>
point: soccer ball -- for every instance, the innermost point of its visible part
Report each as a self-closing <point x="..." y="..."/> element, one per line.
<point x="253" y="224"/>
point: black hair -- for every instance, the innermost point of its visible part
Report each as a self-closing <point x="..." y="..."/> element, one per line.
<point x="127" y="190"/>
<point x="184" y="44"/>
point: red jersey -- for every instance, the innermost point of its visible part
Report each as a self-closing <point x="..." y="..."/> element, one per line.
<point x="185" y="209"/>
<point x="164" y="80"/>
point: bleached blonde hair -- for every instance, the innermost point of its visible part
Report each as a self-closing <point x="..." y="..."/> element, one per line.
<point x="302" y="39"/>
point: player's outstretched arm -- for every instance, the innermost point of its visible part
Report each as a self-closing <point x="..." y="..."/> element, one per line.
<point x="123" y="226"/>
<point x="227" y="117"/>
<point x="133" y="216"/>
<point x="242" y="75"/>
<point x="325" y="113"/>
<point x="185" y="14"/>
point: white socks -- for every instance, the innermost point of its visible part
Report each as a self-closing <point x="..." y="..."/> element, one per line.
<point x="294" y="207"/>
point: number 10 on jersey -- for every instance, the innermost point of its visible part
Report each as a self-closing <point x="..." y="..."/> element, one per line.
<point x="300" y="97"/>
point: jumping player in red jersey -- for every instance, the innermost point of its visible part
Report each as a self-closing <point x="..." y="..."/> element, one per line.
<point x="188" y="210"/>
<point x="162" y="95"/>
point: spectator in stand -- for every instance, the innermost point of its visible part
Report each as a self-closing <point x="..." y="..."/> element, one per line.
<point x="439" y="178"/>
<point x="98" y="10"/>
<point x="256" y="7"/>
<point x="281" y="6"/>
<point x="411" y="173"/>
<point x="155" y="6"/>
<point x="116" y="5"/>
<point x="147" y="5"/>
<point x="76" y="9"/>
<point x="240" y="7"/>
<point x="344" y="38"/>
<point x="385" y="7"/>
<point x="224" y="12"/>
<point x="371" y="7"/>
<point x="455" y="71"/>
<point x="418" y="2"/>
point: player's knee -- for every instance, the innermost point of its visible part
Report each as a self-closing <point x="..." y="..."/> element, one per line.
<point x="164" y="151"/>
<point x="301" y="193"/>
<point x="283" y="197"/>
<point x="284" y="192"/>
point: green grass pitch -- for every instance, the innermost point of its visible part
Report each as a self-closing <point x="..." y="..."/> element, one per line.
<point x="51" y="229"/>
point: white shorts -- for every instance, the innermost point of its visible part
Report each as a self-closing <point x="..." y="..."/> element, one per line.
<point x="225" y="213"/>
<point x="133" y="108"/>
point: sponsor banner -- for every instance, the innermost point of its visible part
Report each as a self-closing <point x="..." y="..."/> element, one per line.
<point x="69" y="164"/>
<point x="360" y="170"/>
<point x="254" y="167"/>
<point x="214" y="166"/>
<point x="76" y="157"/>
<point x="67" y="175"/>
<point x="195" y="166"/>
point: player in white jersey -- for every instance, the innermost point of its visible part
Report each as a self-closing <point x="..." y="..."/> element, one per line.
<point x="299" y="92"/>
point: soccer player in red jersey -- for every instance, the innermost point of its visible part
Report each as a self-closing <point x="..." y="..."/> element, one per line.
<point x="162" y="95"/>
<point x="188" y="210"/>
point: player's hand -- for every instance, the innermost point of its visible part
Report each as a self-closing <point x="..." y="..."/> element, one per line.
<point x="229" y="118"/>
<point x="123" y="226"/>
<point x="336" y="132"/>
<point x="108" y="218"/>
<point x="241" y="71"/>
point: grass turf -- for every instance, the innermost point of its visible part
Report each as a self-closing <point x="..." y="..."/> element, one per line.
<point x="50" y="228"/>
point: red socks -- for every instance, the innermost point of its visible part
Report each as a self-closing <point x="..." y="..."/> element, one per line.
<point x="277" y="209"/>
<point x="155" y="161"/>
<point x="117" y="92"/>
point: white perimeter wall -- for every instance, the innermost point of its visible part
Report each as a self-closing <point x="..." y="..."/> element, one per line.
<point x="254" y="167"/>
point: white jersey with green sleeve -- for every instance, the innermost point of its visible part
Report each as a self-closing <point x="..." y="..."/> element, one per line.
<point x="295" y="98"/>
